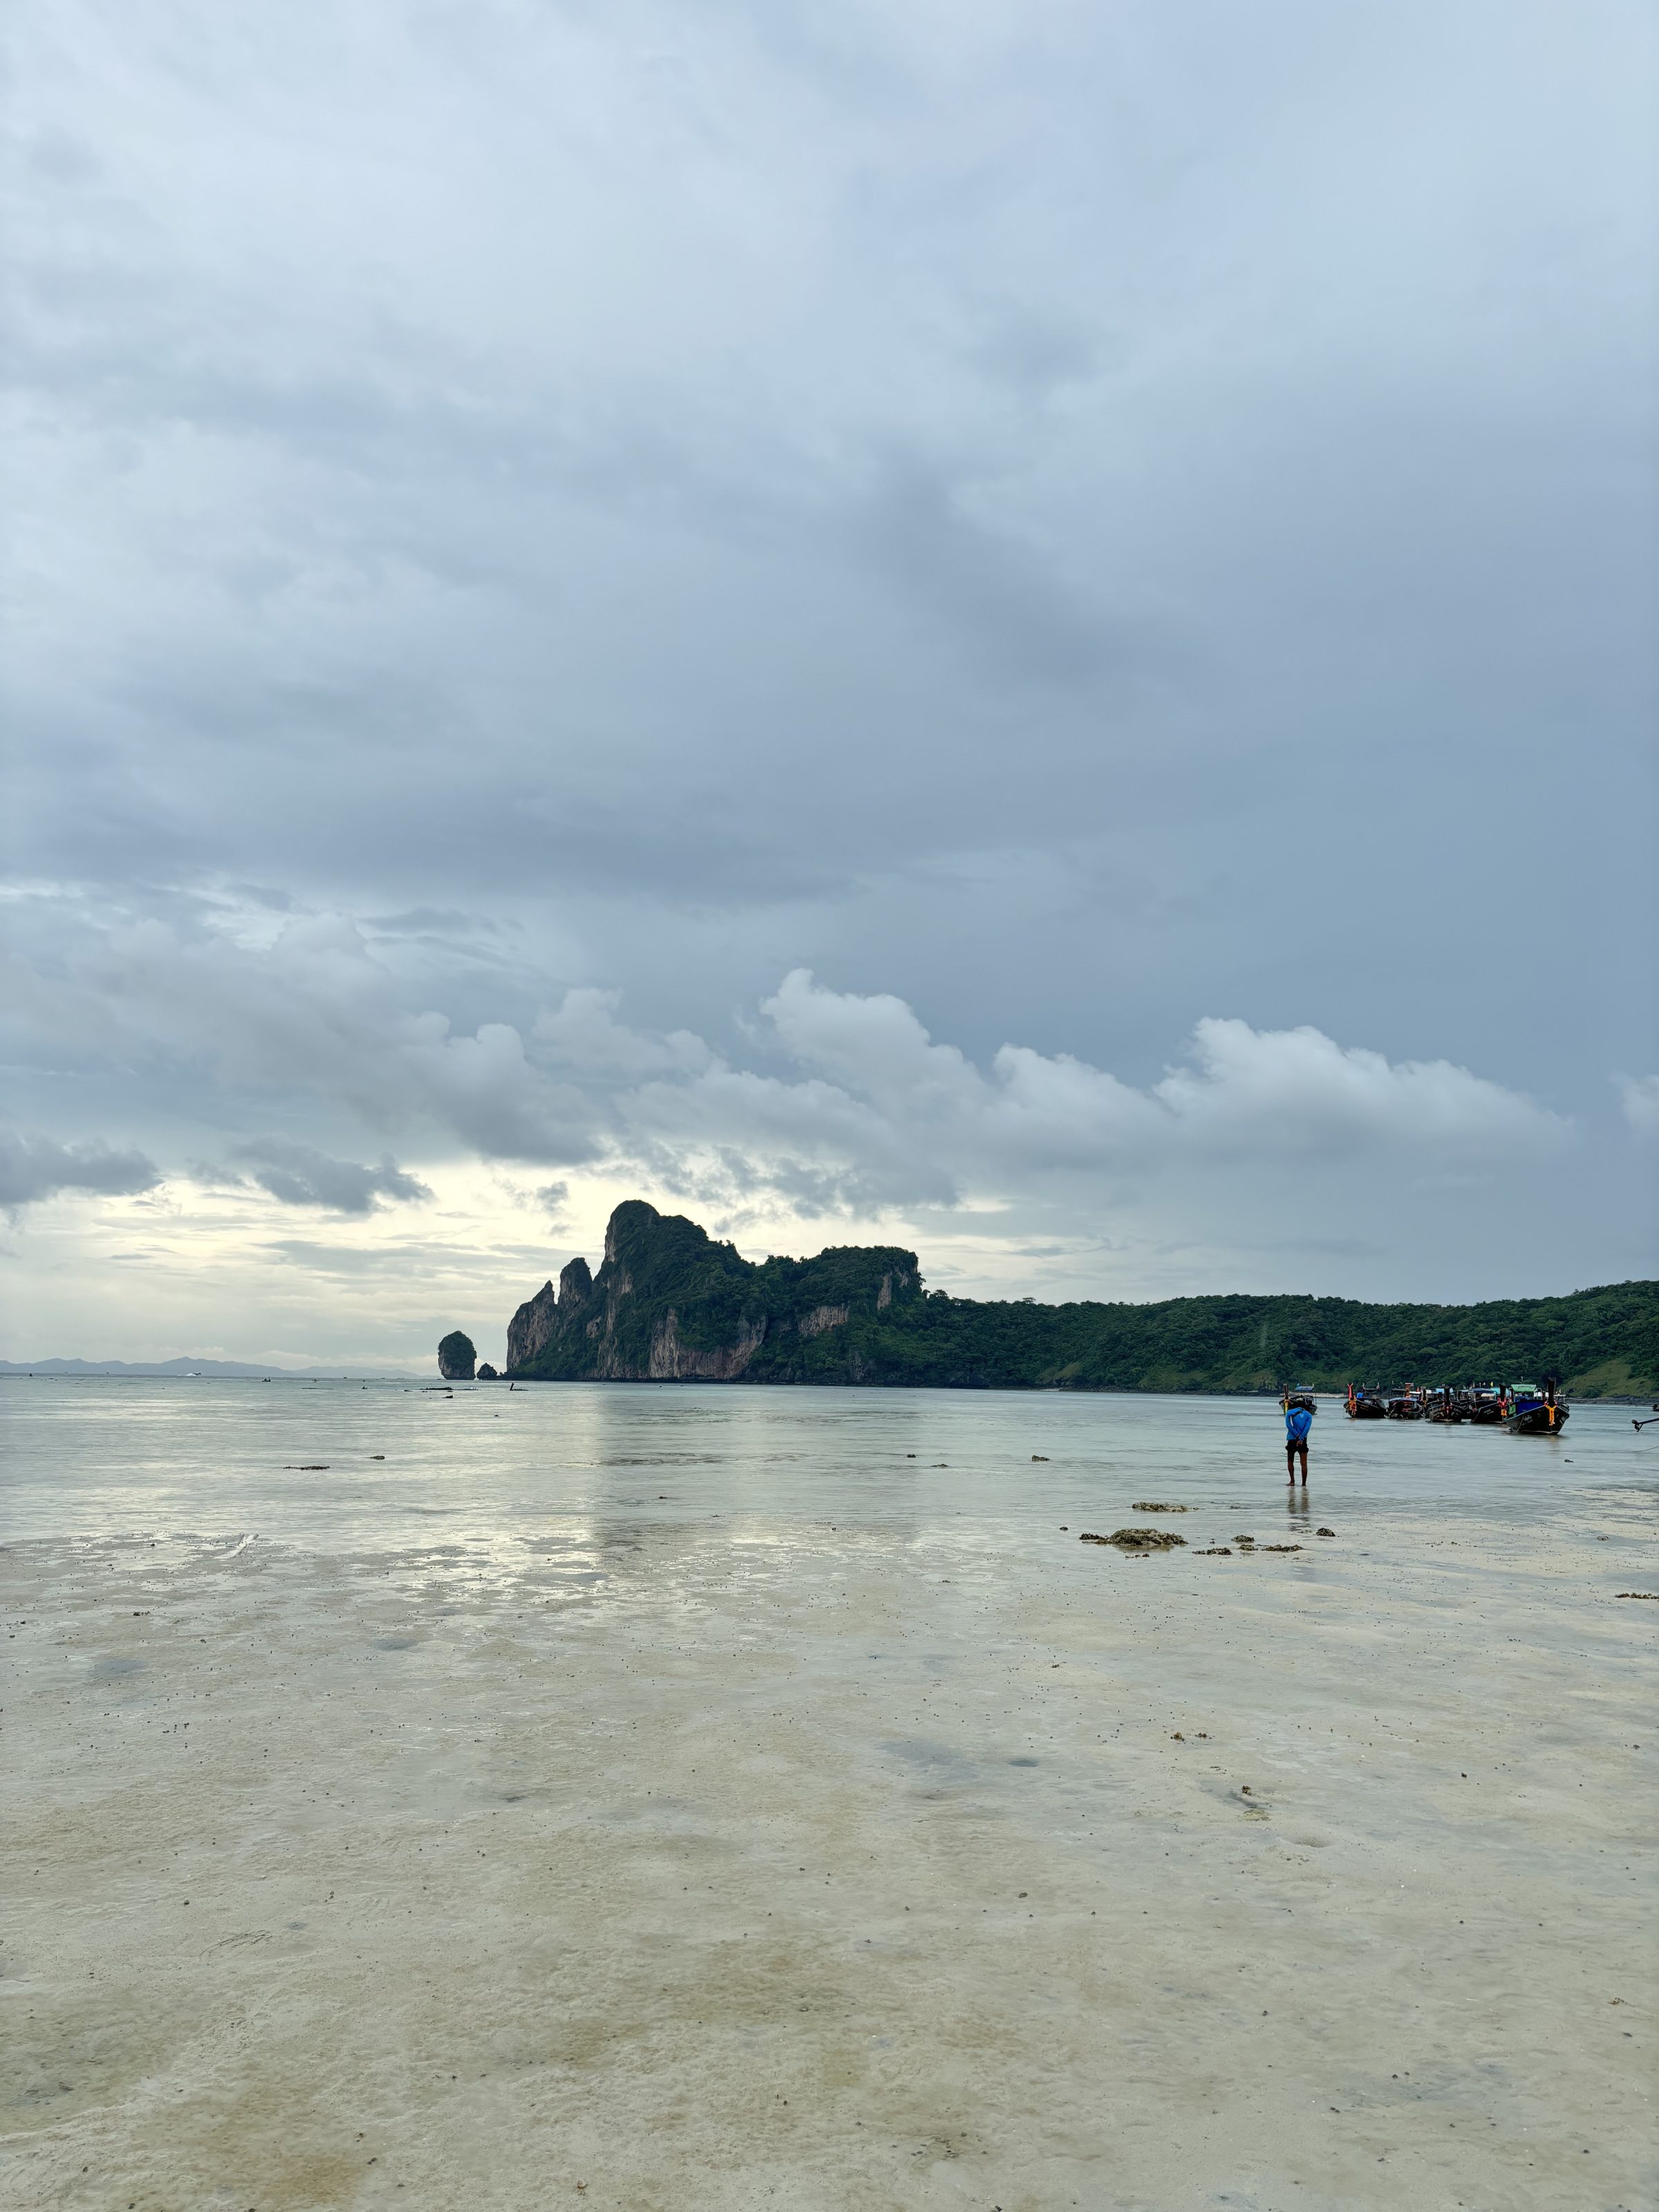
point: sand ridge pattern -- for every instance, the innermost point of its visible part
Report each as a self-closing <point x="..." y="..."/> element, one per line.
<point x="738" y="1858"/>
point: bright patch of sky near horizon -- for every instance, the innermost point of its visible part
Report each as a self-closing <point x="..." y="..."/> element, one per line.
<point x="1020" y="629"/>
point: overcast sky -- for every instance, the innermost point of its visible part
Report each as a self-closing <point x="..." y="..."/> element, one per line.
<point x="1018" y="627"/>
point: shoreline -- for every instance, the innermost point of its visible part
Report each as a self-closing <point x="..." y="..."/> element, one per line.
<point x="1335" y="1392"/>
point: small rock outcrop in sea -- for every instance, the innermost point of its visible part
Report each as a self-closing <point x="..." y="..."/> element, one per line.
<point x="457" y="1357"/>
<point x="487" y="1374"/>
<point x="1137" y="1539"/>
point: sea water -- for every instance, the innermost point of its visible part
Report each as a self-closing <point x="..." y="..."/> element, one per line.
<point x="727" y="1798"/>
<point x="383" y="1464"/>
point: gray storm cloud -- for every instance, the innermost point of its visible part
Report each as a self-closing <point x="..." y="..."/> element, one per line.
<point x="861" y="1104"/>
<point x="1639" y="1095"/>
<point x="33" y="1168"/>
<point x="1121" y="540"/>
<point x="299" y="1175"/>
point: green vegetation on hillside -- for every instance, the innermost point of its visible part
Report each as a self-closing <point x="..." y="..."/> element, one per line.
<point x="1603" y="1341"/>
<point x="781" y="1320"/>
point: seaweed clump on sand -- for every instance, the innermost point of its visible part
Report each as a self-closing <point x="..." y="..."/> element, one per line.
<point x="1137" y="1540"/>
<point x="1143" y="1505"/>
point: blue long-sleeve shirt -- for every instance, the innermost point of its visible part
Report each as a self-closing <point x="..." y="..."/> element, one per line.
<point x="1297" y="1422"/>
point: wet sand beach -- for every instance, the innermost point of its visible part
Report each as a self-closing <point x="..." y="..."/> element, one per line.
<point x="687" y="1798"/>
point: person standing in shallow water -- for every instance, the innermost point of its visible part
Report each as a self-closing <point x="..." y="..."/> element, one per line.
<point x="1297" y="1422"/>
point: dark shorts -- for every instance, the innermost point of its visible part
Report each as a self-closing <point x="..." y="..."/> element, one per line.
<point x="1292" y="1447"/>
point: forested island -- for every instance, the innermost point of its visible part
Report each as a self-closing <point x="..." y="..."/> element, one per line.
<point x="671" y="1303"/>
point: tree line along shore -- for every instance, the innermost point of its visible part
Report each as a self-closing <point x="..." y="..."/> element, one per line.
<point x="671" y="1303"/>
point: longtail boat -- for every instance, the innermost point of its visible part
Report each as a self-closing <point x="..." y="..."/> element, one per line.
<point x="1532" y="1412"/>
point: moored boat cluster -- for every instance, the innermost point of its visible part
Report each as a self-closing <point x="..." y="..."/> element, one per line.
<point x="1525" y="1409"/>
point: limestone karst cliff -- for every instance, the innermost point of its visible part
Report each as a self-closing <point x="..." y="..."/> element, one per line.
<point x="672" y="1304"/>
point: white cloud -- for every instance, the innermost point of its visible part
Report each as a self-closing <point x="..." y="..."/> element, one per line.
<point x="860" y="1109"/>
<point x="582" y="1033"/>
<point x="1297" y="1090"/>
<point x="898" y="1116"/>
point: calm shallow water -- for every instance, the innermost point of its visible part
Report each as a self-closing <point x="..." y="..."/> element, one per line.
<point x="109" y="1456"/>
<point x="727" y="1798"/>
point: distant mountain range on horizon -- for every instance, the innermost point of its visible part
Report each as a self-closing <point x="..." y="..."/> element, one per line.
<point x="233" y="1369"/>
